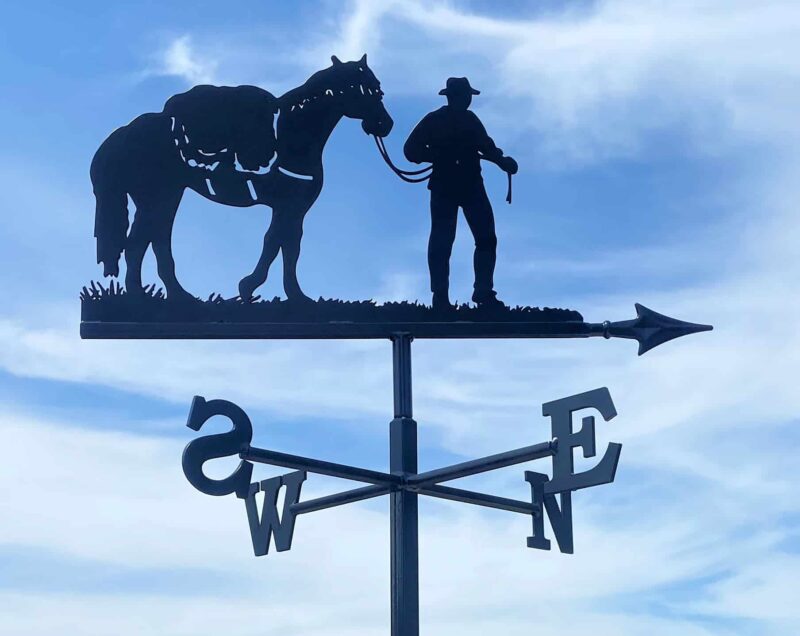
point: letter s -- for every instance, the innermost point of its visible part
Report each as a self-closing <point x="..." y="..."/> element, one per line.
<point x="202" y="449"/>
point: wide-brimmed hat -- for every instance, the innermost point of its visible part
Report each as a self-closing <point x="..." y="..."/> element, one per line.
<point x="458" y="86"/>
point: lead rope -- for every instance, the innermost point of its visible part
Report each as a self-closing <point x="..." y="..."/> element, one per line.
<point x="406" y="175"/>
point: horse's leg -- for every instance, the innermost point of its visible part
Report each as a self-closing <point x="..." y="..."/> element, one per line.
<point x="290" y="247"/>
<point x="135" y="247"/>
<point x="162" y="246"/>
<point x="272" y="243"/>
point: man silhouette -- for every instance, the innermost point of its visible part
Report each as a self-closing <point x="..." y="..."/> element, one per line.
<point x="454" y="140"/>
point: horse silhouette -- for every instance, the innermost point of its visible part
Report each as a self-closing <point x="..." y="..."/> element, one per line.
<point x="221" y="143"/>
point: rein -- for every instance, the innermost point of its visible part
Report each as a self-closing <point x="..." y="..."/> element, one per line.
<point x="413" y="176"/>
<point x="409" y="176"/>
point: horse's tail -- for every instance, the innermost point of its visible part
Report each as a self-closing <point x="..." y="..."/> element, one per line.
<point x="111" y="210"/>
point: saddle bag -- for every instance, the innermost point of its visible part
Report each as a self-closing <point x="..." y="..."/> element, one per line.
<point x="236" y="121"/>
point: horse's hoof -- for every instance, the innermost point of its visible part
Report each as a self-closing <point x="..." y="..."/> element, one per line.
<point x="246" y="288"/>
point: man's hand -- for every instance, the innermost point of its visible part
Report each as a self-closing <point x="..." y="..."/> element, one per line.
<point x="508" y="165"/>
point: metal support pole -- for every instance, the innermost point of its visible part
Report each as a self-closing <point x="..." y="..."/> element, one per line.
<point x="404" y="514"/>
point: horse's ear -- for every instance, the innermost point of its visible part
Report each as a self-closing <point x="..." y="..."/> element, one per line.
<point x="363" y="59"/>
<point x="335" y="60"/>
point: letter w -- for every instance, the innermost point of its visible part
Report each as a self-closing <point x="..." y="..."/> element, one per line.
<point x="261" y="530"/>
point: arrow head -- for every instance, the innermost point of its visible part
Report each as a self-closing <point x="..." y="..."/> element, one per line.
<point x="651" y="329"/>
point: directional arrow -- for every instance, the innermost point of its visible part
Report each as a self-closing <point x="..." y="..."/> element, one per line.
<point x="649" y="328"/>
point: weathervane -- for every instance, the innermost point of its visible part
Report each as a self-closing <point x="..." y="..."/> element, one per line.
<point x="242" y="146"/>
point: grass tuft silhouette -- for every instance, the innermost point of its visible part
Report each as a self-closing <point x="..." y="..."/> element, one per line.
<point x="115" y="304"/>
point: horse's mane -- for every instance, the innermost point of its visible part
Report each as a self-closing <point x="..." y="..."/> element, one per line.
<point x="339" y="77"/>
<point x="317" y="84"/>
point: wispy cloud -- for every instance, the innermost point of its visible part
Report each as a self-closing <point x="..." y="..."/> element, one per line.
<point x="593" y="81"/>
<point x="706" y="416"/>
<point x="596" y="79"/>
<point x="119" y="502"/>
<point x="180" y="58"/>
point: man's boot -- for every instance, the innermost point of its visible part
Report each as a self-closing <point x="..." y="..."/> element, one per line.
<point x="441" y="302"/>
<point x="487" y="300"/>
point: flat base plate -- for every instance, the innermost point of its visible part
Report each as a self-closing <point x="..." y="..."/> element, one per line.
<point x="335" y="330"/>
<point x="114" y="314"/>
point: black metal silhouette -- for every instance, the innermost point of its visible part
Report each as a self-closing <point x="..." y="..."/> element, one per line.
<point x="340" y="320"/>
<point x="550" y="496"/>
<point x="453" y="140"/>
<point x="220" y="142"/>
<point x="105" y="305"/>
<point x="243" y="146"/>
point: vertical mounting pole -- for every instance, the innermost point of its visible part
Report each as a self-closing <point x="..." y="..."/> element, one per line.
<point x="403" y="461"/>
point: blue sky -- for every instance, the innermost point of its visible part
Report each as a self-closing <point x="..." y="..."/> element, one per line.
<point x="658" y="158"/>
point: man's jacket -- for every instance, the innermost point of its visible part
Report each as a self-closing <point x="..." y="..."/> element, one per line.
<point x="454" y="141"/>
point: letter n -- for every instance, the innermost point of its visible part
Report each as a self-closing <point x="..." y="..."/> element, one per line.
<point x="560" y="517"/>
<point x="270" y="524"/>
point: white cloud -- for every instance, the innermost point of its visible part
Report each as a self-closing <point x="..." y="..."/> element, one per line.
<point x="118" y="502"/>
<point x="399" y="286"/>
<point x="594" y="82"/>
<point x="357" y="33"/>
<point x="181" y="58"/>
<point x="704" y="492"/>
<point x="275" y="375"/>
<point x="99" y="615"/>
